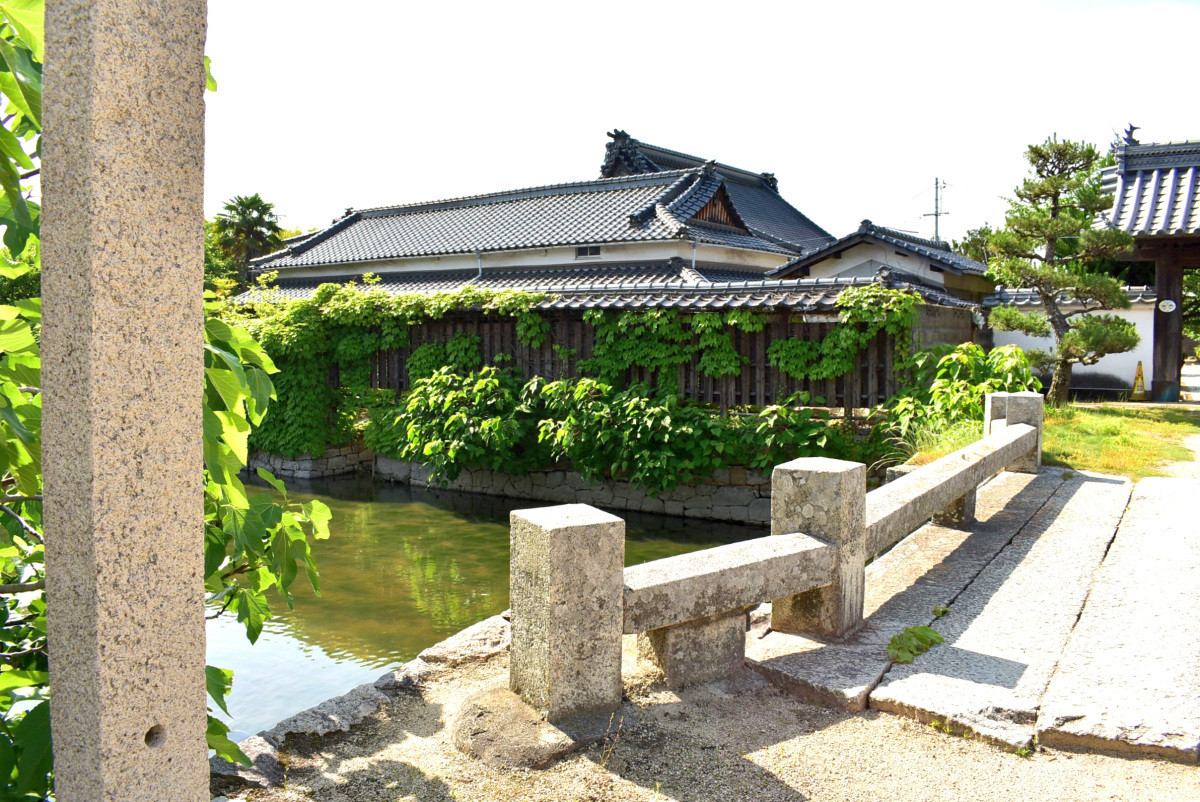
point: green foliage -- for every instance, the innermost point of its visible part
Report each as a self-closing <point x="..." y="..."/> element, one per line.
<point x="974" y="244"/>
<point x="865" y="312"/>
<point x="793" y="429"/>
<point x="656" y="441"/>
<point x="1009" y="318"/>
<point x="911" y="642"/>
<point x="487" y="419"/>
<point x="451" y="421"/>
<point x="1094" y="336"/>
<point x="462" y="354"/>
<point x="949" y="385"/>
<point x="1048" y="245"/>
<point x="21" y="49"/>
<point x="1191" y="304"/>
<point x="21" y="275"/>
<point x="339" y="329"/>
<point x="221" y="271"/>
<point x="657" y="339"/>
<point x="662" y="340"/>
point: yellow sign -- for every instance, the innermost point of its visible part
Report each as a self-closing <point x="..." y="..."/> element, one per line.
<point x="1139" y="386"/>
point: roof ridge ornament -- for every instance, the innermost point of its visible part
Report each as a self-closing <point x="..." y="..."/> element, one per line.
<point x="1129" y="140"/>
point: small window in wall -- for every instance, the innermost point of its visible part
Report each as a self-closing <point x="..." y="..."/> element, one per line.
<point x="587" y="252"/>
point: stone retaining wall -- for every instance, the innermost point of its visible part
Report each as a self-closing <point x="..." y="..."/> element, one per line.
<point x="736" y="495"/>
<point x="336" y="460"/>
<point x="729" y="495"/>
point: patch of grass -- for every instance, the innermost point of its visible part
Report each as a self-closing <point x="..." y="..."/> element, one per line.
<point x="923" y="445"/>
<point x="1123" y="440"/>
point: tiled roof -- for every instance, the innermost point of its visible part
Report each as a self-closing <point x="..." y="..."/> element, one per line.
<point x="938" y="252"/>
<point x="755" y="195"/>
<point x="654" y="206"/>
<point x="641" y="285"/>
<point x="1156" y="189"/>
<point x="1005" y="296"/>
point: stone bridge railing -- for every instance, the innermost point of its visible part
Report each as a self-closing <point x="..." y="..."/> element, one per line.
<point x="573" y="599"/>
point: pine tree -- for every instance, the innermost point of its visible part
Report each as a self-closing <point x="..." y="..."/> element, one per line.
<point x="1049" y="245"/>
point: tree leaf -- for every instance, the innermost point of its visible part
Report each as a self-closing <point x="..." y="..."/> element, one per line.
<point x="217" y="738"/>
<point x="32" y="738"/>
<point x="28" y="19"/>
<point x="218" y="681"/>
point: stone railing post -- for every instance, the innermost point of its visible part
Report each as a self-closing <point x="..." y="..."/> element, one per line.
<point x="825" y="498"/>
<point x="122" y="380"/>
<point x="567" y="582"/>
<point x="995" y="410"/>
<point x="1027" y="408"/>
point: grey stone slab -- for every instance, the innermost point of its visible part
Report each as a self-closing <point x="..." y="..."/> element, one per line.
<point x="909" y="501"/>
<point x="697" y="651"/>
<point x="265" y="770"/>
<point x="712" y="581"/>
<point x="333" y="715"/>
<point x="1129" y="680"/>
<point x="1005" y="632"/>
<point x="925" y="570"/>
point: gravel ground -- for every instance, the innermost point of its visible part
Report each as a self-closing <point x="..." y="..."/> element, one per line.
<point x="736" y="740"/>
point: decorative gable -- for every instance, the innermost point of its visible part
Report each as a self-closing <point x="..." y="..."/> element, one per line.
<point x="720" y="211"/>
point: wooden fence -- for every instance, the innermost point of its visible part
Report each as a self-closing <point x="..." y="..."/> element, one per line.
<point x="871" y="382"/>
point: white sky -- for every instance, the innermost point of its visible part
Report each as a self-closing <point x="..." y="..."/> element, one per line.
<point x="855" y="106"/>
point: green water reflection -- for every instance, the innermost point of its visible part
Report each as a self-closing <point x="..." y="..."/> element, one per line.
<point x="404" y="569"/>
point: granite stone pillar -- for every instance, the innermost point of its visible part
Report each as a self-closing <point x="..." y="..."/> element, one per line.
<point x="995" y="410"/>
<point x="825" y="498"/>
<point x="122" y="375"/>
<point x="567" y="591"/>
<point x="1027" y="408"/>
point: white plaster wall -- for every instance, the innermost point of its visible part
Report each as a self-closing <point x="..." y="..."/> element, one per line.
<point x="865" y="258"/>
<point x="1123" y="366"/>
<point x="541" y="257"/>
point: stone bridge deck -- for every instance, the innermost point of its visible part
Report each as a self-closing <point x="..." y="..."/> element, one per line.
<point x="1070" y="620"/>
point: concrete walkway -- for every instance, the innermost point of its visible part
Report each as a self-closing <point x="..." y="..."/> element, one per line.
<point x="1070" y="621"/>
<point x="1189" y="384"/>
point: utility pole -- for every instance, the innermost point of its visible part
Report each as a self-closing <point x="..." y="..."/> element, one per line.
<point x="938" y="186"/>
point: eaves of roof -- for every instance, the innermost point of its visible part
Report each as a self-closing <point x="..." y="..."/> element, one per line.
<point x="878" y="235"/>
<point x="1139" y="295"/>
<point x="671" y="284"/>
<point x="1156" y="190"/>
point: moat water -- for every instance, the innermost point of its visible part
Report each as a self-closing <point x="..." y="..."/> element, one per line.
<point x="404" y="569"/>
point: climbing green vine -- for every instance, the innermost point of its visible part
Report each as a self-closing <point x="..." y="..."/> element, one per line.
<point x="866" y="311"/>
<point x="462" y="412"/>
<point x="335" y="333"/>
<point x="662" y="340"/>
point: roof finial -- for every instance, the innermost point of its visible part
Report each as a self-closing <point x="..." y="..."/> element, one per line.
<point x="1129" y="140"/>
<point x="770" y="180"/>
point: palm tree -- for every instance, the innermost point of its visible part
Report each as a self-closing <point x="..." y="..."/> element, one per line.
<point x="248" y="228"/>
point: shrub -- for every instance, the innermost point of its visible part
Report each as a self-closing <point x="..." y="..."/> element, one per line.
<point x="452" y="421"/>
<point x="654" y="441"/>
